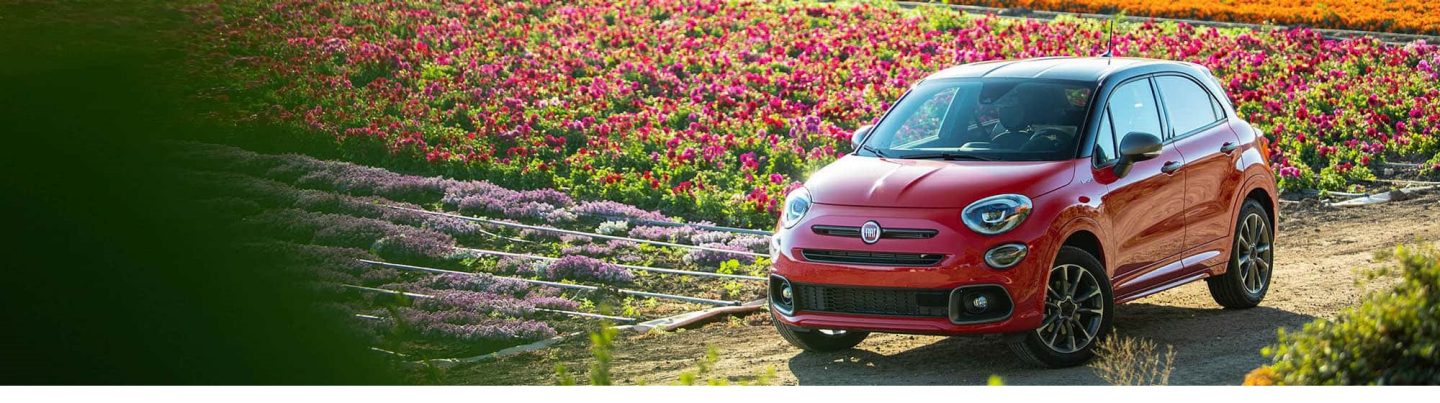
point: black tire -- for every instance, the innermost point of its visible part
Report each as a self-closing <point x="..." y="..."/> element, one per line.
<point x="1077" y="312"/>
<point x="818" y="341"/>
<point x="1247" y="278"/>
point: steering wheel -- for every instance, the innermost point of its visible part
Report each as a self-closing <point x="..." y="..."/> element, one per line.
<point x="1043" y="136"/>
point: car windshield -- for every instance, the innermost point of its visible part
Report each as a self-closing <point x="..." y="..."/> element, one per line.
<point x="984" y="119"/>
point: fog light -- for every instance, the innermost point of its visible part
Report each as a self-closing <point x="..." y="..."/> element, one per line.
<point x="782" y="295"/>
<point x="1005" y="256"/>
<point x="976" y="303"/>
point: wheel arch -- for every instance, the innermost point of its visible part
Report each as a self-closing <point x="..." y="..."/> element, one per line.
<point x="1084" y="233"/>
<point x="1267" y="201"/>
<point x="1258" y="188"/>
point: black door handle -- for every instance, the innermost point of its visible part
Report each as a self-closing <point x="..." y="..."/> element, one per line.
<point x="1171" y="166"/>
<point x="1229" y="147"/>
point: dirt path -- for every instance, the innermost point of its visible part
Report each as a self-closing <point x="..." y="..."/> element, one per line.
<point x="1318" y="252"/>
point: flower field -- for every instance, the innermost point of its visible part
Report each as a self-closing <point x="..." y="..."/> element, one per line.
<point x="1405" y="16"/>
<point x="715" y="109"/>
<point x="333" y="227"/>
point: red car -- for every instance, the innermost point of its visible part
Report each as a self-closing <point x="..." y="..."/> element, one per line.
<point x="1027" y="198"/>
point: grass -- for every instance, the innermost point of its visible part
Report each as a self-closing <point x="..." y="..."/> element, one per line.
<point x="1130" y="361"/>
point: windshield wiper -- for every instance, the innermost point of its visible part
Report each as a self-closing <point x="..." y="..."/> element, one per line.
<point x="945" y="156"/>
<point x="874" y="150"/>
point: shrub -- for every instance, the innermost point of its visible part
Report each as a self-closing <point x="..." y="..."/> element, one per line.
<point x="1131" y="361"/>
<point x="1392" y="338"/>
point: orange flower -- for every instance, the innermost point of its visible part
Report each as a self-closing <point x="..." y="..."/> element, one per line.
<point x="1262" y="376"/>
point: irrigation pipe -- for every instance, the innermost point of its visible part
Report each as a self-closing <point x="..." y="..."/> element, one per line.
<point x="1409" y="182"/>
<point x="582" y="287"/>
<point x="492" y="234"/>
<point x="385" y="291"/>
<point x="1383" y="197"/>
<point x="660" y="223"/>
<point x="587" y="315"/>
<point x="559" y="311"/>
<point x="632" y="267"/>
<point x="578" y="233"/>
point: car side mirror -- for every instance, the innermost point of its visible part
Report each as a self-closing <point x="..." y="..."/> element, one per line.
<point x="859" y="136"/>
<point x="1136" y="147"/>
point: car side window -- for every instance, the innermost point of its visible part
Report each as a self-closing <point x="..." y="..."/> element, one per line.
<point x="1132" y="109"/>
<point x="1104" y="141"/>
<point x="1188" y="105"/>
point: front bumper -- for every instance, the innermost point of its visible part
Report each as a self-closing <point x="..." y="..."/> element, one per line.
<point x="919" y="299"/>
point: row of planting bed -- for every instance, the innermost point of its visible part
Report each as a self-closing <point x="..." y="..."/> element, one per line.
<point x="403" y="255"/>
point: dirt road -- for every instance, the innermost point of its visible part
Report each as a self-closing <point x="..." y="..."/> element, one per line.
<point x="1318" y="253"/>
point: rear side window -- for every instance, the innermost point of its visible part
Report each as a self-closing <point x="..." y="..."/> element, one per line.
<point x="1188" y="105"/>
<point x="1104" y="141"/>
<point x="1133" y="109"/>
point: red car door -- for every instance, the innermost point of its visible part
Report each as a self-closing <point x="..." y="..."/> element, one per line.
<point x="1145" y="206"/>
<point x="1197" y="128"/>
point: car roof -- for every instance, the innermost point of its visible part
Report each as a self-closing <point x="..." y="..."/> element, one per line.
<point x="1092" y="69"/>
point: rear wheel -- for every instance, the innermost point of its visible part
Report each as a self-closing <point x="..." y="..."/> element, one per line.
<point x="1078" y="308"/>
<point x="820" y="340"/>
<point x="1247" y="279"/>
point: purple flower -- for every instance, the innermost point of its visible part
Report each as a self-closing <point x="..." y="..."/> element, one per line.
<point x="474" y="301"/>
<point x="581" y="268"/>
<point x="482" y="282"/>
<point x="417" y="246"/>
<point x="755" y="244"/>
<point x="653" y="233"/>
<point x="470" y="326"/>
<point x="709" y="259"/>
<point x="613" y="209"/>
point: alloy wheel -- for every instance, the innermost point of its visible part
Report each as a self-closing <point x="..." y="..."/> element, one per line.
<point x="1074" y="309"/>
<point x="1253" y="253"/>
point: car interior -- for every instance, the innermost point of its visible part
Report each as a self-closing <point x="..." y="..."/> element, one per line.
<point x="1022" y="118"/>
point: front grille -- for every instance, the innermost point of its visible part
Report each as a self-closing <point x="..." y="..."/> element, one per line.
<point x="872" y="301"/>
<point x="871" y="258"/>
<point x="885" y="233"/>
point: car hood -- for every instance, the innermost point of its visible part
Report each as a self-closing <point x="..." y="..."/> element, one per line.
<point x="884" y="182"/>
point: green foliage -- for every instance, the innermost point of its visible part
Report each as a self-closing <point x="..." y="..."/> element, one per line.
<point x="728" y="267"/>
<point x="1392" y="338"/>
<point x="562" y="376"/>
<point x="692" y="377"/>
<point x="601" y="346"/>
<point x="941" y="18"/>
<point x="601" y="350"/>
<point x="703" y="368"/>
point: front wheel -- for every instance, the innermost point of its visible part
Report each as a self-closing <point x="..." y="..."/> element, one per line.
<point x="820" y="340"/>
<point x="1247" y="279"/>
<point x="1078" y="308"/>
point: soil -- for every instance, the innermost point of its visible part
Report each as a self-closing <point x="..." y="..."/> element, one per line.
<point x="1320" y="254"/>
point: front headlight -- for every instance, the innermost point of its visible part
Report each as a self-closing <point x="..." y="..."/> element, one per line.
<point x="797" y="203"/>
<point x="996" y="214"/>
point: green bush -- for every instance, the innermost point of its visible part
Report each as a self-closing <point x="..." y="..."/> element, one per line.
<point x="1393" y="338"/>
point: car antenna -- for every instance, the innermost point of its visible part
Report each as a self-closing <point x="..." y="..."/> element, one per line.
<point x="1110" y="33"/>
